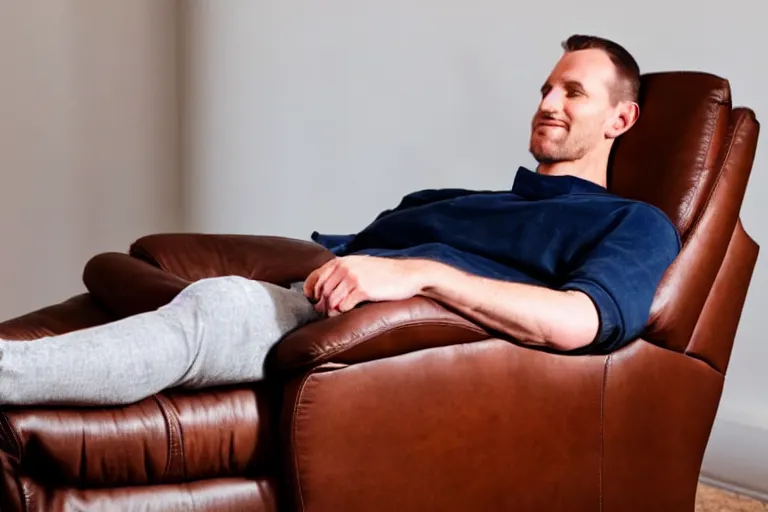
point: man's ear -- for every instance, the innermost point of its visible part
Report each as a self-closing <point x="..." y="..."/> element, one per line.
<point x="627" y="113"/>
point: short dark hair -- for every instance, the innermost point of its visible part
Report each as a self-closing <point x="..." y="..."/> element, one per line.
<point x="627" y="70"/>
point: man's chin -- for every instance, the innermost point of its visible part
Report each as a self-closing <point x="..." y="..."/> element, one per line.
<point x="543" y="156"/>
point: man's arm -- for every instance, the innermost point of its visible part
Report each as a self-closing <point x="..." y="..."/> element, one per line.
<point x="534" y="315"/>
<point x="604" y="298"/>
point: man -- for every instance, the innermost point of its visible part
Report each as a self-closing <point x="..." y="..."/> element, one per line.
<point x="557" y="262"/>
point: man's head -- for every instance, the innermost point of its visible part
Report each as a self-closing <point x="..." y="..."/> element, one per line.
<point x="588" y="100"/>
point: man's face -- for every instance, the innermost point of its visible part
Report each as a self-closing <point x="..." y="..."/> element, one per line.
<point x="576" y="107"/>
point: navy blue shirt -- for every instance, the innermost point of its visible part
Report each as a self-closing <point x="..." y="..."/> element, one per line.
<point x="561" y="232"/>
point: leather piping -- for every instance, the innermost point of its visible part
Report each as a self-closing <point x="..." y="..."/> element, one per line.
<point x="11" y="437"/>
<point x="710" y="146"/>
<point x="731" y="136"/>
<point x="175" y="468"/>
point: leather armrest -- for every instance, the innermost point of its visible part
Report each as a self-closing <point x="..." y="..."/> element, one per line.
<point x="374" y="331"/>
<point x="128" y="286"/>
<point x="77" y="312"/>
<point x="192" y="256"/>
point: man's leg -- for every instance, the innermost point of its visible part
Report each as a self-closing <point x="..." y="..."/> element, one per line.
<point x="216" y="331"/>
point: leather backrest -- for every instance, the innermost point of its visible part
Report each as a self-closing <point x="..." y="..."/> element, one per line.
<point x="690" y="154"/>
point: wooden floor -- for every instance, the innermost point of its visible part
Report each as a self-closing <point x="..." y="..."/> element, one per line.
<point x="710" y="499"/>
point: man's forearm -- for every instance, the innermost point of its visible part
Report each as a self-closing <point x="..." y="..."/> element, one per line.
<point x="533" y="315"/>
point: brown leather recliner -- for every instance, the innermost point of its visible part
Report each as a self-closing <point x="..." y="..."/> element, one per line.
<point x="405" y="406"/>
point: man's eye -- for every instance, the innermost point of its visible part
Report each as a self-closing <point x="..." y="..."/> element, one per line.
<point x="574" y="93"/>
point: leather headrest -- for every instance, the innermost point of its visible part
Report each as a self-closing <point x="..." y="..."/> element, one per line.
<point x="668" y="159"/>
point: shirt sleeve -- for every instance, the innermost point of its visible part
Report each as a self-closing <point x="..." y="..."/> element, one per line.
<point x="622" y="271"/>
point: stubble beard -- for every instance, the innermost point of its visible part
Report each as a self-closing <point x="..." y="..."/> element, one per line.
<point x="550" y="151"/>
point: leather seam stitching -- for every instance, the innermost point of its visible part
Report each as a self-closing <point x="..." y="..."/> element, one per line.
<point x="174" y="417"/>
<point x="602" y="430"/>
<point x="7" y="429"/>
<point x="22" y="489"/>
<point x="299" y="490"/>
<point x="718" y="178"/>
<point x="174" y="440"/>
<point x="378" y="332"/>
<point x="168" y="441"/>
<point x="5" y="424"/>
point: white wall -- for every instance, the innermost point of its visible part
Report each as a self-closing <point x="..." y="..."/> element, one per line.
<point x="303" y="115"/>
<point x="88" y="138"/>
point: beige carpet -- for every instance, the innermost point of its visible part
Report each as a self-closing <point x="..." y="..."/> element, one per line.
<point x="710" y="499"/>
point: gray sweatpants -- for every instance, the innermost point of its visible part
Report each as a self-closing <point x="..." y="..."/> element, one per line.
<point x="216" y="331"/>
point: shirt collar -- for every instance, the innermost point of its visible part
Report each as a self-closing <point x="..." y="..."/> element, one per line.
<point x="532" y="185"/>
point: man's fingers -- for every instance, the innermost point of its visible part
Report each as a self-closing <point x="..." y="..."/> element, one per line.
<point x="330" y="282"/>
<point x="328" y="287"/>
<point x="320" y="306"/>
<point x="309" y="283"/>
<point x="338" y="294"/>
<point x="322" y="274"/>
<point x="352" y="299"/>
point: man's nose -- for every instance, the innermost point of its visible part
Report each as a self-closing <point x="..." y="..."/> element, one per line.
<point x="552" y="101"/>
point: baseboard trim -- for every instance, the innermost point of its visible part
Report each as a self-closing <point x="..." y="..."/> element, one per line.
<point x="726" y="486"/>
<point x="737" y="456"/>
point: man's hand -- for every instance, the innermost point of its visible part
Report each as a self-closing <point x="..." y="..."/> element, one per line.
<point x="343" y="283"/>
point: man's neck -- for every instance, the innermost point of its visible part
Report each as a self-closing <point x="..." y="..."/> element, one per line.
<point x="584" y="169"/>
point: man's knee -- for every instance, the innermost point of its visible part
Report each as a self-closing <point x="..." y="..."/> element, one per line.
<point x="217" y="291"/>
